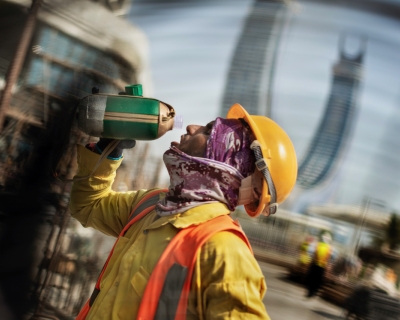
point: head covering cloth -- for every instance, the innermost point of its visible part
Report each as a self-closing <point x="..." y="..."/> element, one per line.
<point x="214" y="178"/>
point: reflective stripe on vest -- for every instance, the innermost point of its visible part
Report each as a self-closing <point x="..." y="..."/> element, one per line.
<point x="143" y="207"/>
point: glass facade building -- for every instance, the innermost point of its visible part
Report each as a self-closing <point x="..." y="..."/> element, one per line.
<point x="251" y="71"/>
<point x="329" y="141"/>
<point x="61" y="64"/>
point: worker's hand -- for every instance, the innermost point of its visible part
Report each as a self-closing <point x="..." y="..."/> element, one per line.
<point x="104" y="142"/>
<point x="117" y="152"/>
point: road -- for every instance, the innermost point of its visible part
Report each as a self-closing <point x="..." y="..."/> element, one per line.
<point x="285" y="300"/>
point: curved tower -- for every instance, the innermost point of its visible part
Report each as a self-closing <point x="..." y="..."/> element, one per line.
<point x="330" y="139"/>
<point x="251" y="71"/>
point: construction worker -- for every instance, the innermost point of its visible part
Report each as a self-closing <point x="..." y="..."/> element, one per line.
<point x="322" y="257"/>
<point x="179" y="255"/>
<point x="306" y="251"/>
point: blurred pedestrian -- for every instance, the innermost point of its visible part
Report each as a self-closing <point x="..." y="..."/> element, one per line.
<point x="306" y="251"/>
<point x="323" y="255"/>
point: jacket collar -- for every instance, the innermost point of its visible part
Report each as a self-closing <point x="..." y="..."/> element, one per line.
<point x="194" y="216"/>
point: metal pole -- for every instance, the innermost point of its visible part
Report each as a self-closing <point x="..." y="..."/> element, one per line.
<point x="15" y="67"/>
<point x="360" y="225"/>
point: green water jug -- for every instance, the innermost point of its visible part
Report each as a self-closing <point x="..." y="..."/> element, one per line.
<point x="130" y="116"/>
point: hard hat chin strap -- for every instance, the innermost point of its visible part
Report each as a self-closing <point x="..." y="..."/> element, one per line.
<point x="262" y="166"/>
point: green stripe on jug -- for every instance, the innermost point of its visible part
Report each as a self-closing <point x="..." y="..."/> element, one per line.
<point x="133" y="105"/>
<point x="130" y="130"/>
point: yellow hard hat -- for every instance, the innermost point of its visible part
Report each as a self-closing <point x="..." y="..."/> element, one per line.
<point x="276" y="162"/>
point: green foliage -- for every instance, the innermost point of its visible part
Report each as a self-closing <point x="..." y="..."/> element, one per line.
<point x="393" y="231"/>
<point x="391" y="235"/>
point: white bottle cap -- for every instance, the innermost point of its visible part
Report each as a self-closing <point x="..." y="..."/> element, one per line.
<point x="178" y="122"/>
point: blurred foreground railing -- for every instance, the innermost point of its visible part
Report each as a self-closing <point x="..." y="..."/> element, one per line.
<point x="273" y="239"/>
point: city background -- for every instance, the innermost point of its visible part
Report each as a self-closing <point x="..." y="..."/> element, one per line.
<point x="326" y="71"/>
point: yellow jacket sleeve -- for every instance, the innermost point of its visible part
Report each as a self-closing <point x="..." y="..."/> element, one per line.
<point x="229" y="281"/>
<point x="93" y="203"/>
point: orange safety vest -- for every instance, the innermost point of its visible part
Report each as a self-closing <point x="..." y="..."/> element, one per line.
<point x="173" y="273"/>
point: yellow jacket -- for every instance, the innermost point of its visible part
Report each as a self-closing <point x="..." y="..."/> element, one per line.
<point x="322" y="254"/>
<point x="227" y="282"/>
<point x="304" y="257"/>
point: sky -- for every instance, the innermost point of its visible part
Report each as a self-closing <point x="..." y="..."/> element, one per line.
<point x="191" y="46"/>
<point x="371" y="165"/>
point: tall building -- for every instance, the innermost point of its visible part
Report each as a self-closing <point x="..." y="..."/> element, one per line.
<point x="329" y="141"/>
<point x="75" y="45"/>
<point x="249" y="80"/>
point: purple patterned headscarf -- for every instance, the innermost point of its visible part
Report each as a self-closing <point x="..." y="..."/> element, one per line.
<point x="216" y="177"/>
<point x="230" y="142"/>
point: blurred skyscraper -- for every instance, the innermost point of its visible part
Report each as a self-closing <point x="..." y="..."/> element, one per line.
<point x="329" y="141"/>
<point x="250" y="79"/>
<point x="252" y="68"/>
